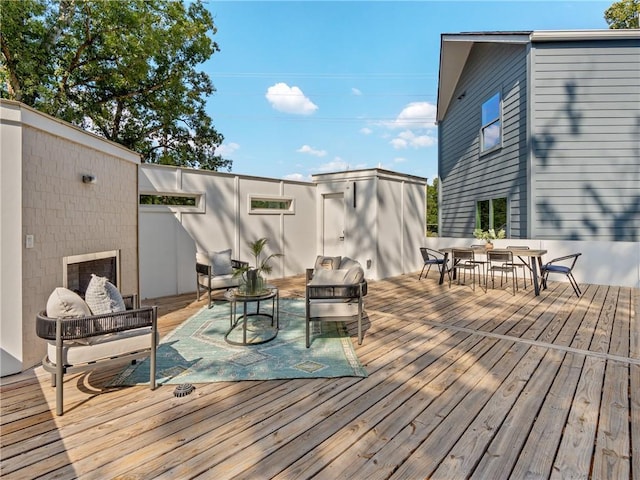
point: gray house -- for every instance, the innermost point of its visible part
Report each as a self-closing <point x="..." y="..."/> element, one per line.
<point x="539" y="132"/>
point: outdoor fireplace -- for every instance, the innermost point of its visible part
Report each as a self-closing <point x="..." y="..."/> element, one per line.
<point x="77" y="269"/>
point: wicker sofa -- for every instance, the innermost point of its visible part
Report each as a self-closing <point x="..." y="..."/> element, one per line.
<point x="335" y="291"/>
<point x="78" y="340"/>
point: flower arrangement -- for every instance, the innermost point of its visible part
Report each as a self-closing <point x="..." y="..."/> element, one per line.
<point x="488" y="235"/>
<point x="252" y="276"/>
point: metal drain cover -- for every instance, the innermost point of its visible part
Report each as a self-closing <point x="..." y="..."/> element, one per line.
<point x="183" y="390"/>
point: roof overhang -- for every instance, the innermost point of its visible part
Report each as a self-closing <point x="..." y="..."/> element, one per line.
<point x="454" y="51"/>
<point x="455" y="48"/>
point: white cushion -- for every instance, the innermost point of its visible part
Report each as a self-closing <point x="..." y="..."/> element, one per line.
<point x="333" y="308"/>
<point x="219" y="281"/>
<point x="102" y="346"/>
<point x="349" y="276"/>
<point x="103" y="297"/>
<point x="63" y="303"/>
<point x="327" y="263"/>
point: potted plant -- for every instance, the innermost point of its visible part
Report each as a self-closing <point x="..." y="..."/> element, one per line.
<point x="488" y="235"/>
<point x="252" y="275"/>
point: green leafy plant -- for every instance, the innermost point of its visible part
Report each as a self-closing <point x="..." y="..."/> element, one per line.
<point x="261" y="264"/>
<point x="488" y="235"/>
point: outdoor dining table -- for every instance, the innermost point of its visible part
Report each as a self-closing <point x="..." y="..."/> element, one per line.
<point x="535" y="266"/>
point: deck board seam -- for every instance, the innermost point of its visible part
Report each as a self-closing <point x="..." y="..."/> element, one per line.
<point x="562" y="348"/>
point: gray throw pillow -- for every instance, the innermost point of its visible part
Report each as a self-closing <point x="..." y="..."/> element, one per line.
<point x="221" y="262"/>
<point x="103" y="297"/>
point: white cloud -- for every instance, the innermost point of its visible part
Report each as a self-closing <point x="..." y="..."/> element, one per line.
<point x="399" y="160"/>
<point x="366" y="131"/>
<point x="356" y="91"/>
<point x="408" y="138"/>
<point x="311" y="151"/>
<point x="227" y="149"/>
<point x="416" y="115"/>
<point x="288" y="99"/>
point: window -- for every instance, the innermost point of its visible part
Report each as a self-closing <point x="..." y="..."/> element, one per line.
<point x="261" y="204"/>
<point x="491" y="131"/>
<point x="172" y="202"/>
<point x="492" y="214"/>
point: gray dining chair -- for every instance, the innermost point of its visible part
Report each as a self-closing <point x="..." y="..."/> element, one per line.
<point x="501" y="261"/>
<point x="522" y="263"/>
<point x="463" y="259"/>
<point x="564" y="266"/>
<point x="431" y="257"/>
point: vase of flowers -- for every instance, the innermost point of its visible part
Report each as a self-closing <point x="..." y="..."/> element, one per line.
<point x="488" y="235"/>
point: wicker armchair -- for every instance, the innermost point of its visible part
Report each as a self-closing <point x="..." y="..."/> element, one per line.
<point x="85" y="343"/>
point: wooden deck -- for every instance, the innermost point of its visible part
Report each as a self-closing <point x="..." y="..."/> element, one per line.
<point x="461" y="385"/>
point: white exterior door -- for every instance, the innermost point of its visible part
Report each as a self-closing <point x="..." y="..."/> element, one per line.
<point x="333" y="224"/>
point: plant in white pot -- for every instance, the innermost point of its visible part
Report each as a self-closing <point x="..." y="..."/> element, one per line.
<point x="253" y="275"/>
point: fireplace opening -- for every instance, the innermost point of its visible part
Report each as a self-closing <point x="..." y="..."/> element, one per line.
<point x="77" y="269"/>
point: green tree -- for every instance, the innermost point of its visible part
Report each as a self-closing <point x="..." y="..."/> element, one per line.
<point x="124" y="70"/>
<point x="432" y="208"/>
<point x="623" y="14"/>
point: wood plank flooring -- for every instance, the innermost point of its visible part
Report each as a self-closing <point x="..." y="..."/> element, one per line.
<point x="461" y="384"/>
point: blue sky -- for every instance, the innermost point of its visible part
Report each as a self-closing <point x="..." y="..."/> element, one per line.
<point x="307" y="87"/>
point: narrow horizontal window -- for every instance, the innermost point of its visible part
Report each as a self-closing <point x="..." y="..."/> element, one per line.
<point x="172" y="202"/>
<point x="169" y="200"/>
<point x="261" y="204"/>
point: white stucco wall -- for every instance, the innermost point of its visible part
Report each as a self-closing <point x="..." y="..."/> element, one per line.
<point x="170" y="236"/>
<point x="385" y="227"/>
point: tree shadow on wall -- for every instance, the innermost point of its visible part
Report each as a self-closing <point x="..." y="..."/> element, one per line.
<point x="619" y="220"/>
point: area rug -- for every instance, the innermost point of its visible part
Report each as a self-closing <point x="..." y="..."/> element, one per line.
<point x="196" y="352"/>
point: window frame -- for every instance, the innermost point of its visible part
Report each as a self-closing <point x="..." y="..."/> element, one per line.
<point x="488" y="123"/>
<point x="199" y="198"/>
<point x="289" y="210"/>
<point x="492" y="213"/>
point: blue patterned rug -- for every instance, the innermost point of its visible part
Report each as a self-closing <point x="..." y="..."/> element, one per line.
<point x="196" y="352"/>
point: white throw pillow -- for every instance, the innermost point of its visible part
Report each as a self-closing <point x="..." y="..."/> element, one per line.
<point x="221" y="262"/>
<point x="327" y="263"/>
<point x="102" y="296"/>
<point x="63" y="303"/>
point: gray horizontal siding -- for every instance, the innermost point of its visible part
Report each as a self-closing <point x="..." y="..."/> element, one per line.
<point x="585" y="127"/>
<point x="465" y="175"/>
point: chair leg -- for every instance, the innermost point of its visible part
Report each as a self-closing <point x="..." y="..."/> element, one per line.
<point x="574" y="284"/>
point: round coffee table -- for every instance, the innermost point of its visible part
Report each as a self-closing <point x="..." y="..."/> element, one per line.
<point x="253" y="322"/>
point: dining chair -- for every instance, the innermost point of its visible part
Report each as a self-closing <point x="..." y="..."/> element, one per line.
<point x="431" y="257"/>
<point x="502" y="261"/>
<point x="482" y="249"/>
<point x="524" y="264"/>
<point x="563" y="265"/>
<point x="464" y="259"/>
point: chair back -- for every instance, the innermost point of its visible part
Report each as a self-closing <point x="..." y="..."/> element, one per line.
<point x="500" y="256"/>
<point x="462" y="254"/>
<point x="430" y="255"/>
